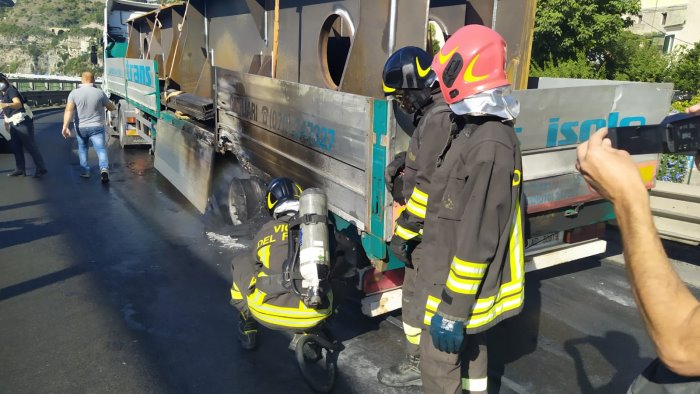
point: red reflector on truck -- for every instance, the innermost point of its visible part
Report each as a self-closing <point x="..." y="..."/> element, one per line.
<point x="374" y="281"/>
<point x="584" y="233"/>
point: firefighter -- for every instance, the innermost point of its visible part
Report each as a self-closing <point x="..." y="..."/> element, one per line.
<point x="472" y="250"/>
<point x="408" y="79"/>
<point x="256" y="292"/>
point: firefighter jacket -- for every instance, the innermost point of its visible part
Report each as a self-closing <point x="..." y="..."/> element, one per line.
<point x="271" y="306"/>
<point x="473" y="260"/>
<point x="428" y="140"/>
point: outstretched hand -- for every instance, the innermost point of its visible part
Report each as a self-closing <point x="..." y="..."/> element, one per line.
<point x="611" y="172"/>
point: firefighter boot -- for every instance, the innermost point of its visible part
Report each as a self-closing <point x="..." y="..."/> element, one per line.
<point x="247" y="331"/>
<point x="405" y="373"/>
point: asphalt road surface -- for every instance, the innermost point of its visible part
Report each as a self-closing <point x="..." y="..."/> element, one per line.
<point x="124" y="289"/>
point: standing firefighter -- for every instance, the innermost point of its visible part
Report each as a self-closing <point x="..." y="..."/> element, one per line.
<point x="407" y="78"/>
<point x="472" y="250"/>
<point x="259" y="292"/>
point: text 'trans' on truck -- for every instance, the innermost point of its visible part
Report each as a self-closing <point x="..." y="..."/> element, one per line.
<point x="224" y="108"/>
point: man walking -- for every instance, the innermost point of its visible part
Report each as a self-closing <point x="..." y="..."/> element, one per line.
<point x="90" y="103"/>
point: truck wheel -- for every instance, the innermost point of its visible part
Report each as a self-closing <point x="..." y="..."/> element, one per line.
<point x="236" y="195"/>
<point x="244" y="200"/>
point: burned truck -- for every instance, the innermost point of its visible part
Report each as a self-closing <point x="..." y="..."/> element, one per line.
<point x="230" y="93"/>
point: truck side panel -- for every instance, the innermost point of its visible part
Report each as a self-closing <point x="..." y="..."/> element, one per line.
<point x="316" y="136"/>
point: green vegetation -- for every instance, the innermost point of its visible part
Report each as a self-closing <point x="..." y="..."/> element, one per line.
<point x="588" y="39"/>
<point x="27" y="28"/>
<point x="45" y="14"/>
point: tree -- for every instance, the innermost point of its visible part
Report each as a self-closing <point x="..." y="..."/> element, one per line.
<point x="686" y="73"/>
<point x="579" y="67"/>
<point x="635" y="58"/>
<point x="565" y="28"/>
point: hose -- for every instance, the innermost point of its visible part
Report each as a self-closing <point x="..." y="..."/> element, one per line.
<point x="333" y="349"/>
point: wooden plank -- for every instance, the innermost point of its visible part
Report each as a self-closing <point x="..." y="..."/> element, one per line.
<point x="378" y="304"/>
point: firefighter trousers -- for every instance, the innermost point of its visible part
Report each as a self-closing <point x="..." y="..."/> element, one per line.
<point x="242" y="271"/>
<point x="464" y="372"/>
<point x="412" y="310"/>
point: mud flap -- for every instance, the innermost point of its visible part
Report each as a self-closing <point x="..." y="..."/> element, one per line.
<point x="184" y="156"/>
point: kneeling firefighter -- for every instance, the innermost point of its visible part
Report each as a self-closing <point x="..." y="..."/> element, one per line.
<point x="284" y="285"/>
<point x="408" y="79"/>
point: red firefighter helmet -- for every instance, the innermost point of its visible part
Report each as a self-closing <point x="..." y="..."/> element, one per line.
<point x="472" y="60"/>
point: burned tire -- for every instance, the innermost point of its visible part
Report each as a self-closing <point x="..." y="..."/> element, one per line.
<point x="237" y="197"/>
<point x="245" y="200"/>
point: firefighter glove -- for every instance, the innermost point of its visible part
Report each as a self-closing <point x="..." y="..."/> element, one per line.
<point x="393" y="177"/>
<point x="402" y="249"/>
<point x="447" y="334"/>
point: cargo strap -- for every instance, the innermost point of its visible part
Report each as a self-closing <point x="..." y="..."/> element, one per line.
<point x="308" y="219"/>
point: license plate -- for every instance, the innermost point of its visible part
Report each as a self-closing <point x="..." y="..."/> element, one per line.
<point x="545" y="240"/>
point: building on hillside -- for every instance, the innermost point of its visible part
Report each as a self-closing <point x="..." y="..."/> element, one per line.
<point x="672" y="22"/>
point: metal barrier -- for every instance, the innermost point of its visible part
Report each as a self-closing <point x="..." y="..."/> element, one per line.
<point x="676" y="209"/>
<point x="44" y="91"/>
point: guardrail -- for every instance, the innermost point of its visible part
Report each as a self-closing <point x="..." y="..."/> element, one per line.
<point x="676" y="209"/>
<point x="44" y="91"/>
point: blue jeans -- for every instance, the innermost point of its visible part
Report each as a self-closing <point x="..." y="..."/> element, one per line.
<point x="97" y="136"/>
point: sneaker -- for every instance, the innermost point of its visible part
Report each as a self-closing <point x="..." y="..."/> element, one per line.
<point x="248" y="331"/>
<point x="85" y="174"/>
<point x="403" y="374"/>
<point x="104" y="175"/>
<point x="40" y="173"/>
<point x="17" y="173"/>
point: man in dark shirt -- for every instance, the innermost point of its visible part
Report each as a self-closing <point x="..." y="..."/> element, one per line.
<point x="21" y="127"/>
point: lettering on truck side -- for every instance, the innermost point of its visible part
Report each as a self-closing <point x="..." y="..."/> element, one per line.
<point x="139" y="74"/>
<point x="285" y="122"/>
<point x="115" y="72"/>
<point x="573" y="132"/>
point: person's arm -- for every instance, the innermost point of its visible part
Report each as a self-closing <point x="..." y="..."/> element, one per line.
<point x="670" y="312"/>
<point x="109" y="105"/>
<point x="15" y="104"/>
<point x="67" y="118"/>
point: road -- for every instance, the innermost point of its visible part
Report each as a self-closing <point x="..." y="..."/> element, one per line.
<point x="124" y="288"/>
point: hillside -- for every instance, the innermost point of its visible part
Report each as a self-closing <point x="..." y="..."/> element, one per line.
<point x="45" y="14"/>
<point x="51" y="36"/>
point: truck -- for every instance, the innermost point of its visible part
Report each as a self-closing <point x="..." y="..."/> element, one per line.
<point x="230" y="93"/>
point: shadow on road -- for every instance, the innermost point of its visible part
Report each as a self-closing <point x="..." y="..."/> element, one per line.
<point x="22" y="231"/>
<point x="37" y="283"/>
<point x="619" y="350"/>
<point x="21" y="204"/>
<point x="516" y="337"/>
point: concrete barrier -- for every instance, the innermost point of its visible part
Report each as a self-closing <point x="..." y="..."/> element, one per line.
<point x="676" y="209"/>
